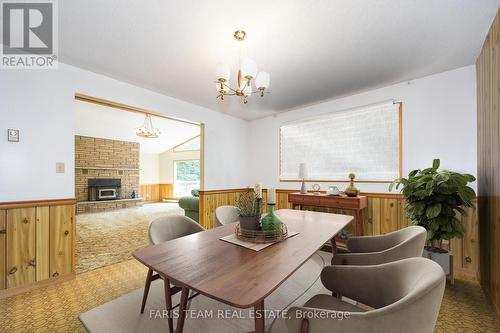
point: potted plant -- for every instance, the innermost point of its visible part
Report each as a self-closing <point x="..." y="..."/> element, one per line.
<point x="249" y="205"/>
<point x="433" y="199"/>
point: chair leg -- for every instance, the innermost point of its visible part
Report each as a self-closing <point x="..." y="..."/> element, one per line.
<point x="304" y="327"/>
<point x="149" y="278"/>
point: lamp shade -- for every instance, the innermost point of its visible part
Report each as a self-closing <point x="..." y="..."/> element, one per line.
<point x="248" y="68"/>
<point x="222" y="72"/>
<point x="263" y="79"/>
<point x="302" y="171"/>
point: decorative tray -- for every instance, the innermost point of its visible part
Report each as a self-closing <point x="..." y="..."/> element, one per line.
<point x="262" y="236"/>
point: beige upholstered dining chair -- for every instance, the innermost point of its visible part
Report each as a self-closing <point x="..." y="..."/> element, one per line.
<point x="374" y="250"/>
<point x="226" y="214"/>
<point x="401" y="296"/>
<point x="164" y="229"/>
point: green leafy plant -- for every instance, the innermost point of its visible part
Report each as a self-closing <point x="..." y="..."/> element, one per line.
<point x="433" y="197"/>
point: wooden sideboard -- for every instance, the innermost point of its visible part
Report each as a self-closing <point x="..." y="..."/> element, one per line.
<point x="355" y="204"/>
<point x="37" y="243"/>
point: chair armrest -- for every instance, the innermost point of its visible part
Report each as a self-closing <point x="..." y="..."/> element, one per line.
<point x="365" y="244"/>
<point x="365" y="284"/>
<point x="360" y="259"/>
<point x="189" y="203"/>
<point x="409" y="249"/>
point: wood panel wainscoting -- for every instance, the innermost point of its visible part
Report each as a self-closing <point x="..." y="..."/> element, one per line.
<point x="385" y="213"/>
<point x="37" y="243"/>
<point x="156" y="192"/>
<point x="488" y="122"/>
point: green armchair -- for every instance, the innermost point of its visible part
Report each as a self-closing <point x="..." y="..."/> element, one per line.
<point x="191" y="205"/>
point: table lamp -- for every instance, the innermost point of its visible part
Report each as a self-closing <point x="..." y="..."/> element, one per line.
<point x="303" y="176"/>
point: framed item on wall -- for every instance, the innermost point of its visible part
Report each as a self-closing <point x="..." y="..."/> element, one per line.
<point x="13" y="135"/>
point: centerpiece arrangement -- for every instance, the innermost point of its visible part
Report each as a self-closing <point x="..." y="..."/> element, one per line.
<point x="251" y="227"/>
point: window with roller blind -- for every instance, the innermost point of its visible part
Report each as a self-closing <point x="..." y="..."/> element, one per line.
<point x="364" y="140"/>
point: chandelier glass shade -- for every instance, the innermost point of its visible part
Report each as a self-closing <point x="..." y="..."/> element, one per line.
<point x="248" y="79"/>
<point x="147" y="130"/>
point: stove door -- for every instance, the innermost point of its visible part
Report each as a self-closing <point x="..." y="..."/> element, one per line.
<point x="106" y="193"/>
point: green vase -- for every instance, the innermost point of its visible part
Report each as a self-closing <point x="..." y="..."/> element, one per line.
<point x="271" y="221"/>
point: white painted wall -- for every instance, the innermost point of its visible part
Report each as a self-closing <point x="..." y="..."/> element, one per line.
<point x="167" y="163"/>
<point x="149" y="168"/>
<point x="41" y="104"/>
<point x="439" y="121"/>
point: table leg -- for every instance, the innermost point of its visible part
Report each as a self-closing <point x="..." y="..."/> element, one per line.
<point x="259" y="317"/>
<point x="182" y="310"/>
<point x="333" y="242"/>
<point x="168" y="302"/>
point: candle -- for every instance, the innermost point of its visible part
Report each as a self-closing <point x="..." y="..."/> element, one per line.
<point x="258" y="190"/>
<point x="271" y="196"/>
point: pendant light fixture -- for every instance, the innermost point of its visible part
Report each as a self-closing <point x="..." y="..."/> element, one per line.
<point x="147" y="130"/>
<point x="247" y="76"/>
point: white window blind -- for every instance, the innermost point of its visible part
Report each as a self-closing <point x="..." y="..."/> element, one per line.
<point x="364" y="140"/>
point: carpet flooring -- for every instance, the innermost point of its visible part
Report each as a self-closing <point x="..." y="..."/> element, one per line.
<point x="56" y="308"/>
<point x="111" y="237"/>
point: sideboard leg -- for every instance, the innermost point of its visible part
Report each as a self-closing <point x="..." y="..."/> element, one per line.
<point x="334" y="247"/>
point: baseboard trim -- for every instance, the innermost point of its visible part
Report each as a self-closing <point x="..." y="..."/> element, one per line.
<point x="35" y="285"/>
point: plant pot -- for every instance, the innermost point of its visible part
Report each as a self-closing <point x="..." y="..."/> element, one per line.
<point x="249" y="222"/>
<point x="439" y="256"/>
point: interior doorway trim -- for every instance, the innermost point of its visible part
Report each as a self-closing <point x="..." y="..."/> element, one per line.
<point x="125" y="107"/>
<point x="129" y="108"/>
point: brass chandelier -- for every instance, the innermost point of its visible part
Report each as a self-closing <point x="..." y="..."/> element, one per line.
<point x="147" y="130"/>
<point x="246" y="77"/>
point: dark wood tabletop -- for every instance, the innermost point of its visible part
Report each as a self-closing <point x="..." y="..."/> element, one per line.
<point x="233" y="274"/>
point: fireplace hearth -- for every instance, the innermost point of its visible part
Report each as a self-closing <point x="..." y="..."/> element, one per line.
<point x="104" y="189"/>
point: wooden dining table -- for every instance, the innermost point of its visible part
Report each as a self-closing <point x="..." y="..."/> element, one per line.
<point x="233" y="274"/>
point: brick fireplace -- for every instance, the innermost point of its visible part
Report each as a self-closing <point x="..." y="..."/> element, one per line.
<point x="97" y="158"/>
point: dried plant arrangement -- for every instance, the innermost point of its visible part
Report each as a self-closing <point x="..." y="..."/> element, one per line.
<point x="246" y="204"/>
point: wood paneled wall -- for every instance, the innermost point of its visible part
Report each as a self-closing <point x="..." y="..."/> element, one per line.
<point x="210" y="200"/>
<point x="385" y="213"/>
<point x="155" y="192"/>
<point x="37" y="243"/>
<point x="488" y="129"/>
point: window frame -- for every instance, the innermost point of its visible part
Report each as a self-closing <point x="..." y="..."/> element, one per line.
<point x="174" y="170"/>
<point x="400" y="157"/>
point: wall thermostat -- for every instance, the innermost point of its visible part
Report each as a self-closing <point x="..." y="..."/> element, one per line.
<point x="13" y="135"/>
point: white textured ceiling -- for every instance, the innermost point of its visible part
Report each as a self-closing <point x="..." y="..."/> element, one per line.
<point x="109" y="123"/>
<point x="313" y="49"/>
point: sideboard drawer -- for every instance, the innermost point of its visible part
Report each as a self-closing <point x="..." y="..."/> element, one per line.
<point x="334" y="201"/>
<point x="304" y="199"/>
<point x="326" y="201"/>
<point x="311" y="201"/>
<point x="295" y="198"/>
